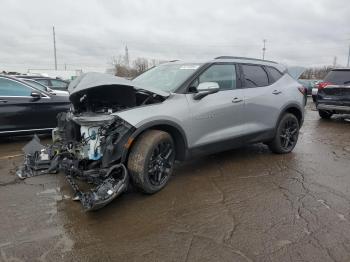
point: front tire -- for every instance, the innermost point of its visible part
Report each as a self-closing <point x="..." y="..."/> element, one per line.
<point x="151" y="160"/>
<point x="287" y="134"/>
<point x="324" y="114"/>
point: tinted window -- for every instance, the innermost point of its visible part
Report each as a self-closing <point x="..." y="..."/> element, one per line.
<point x="36" y="85"/>
<point x="338" y="77"/>
<point x="224" y="75"/>
<point x="43" y="81"/>
<point x="13" y="88"/>
<point x="58" y="83"/>
<point x="274" y="73"/>
<point x="254" y="76"/>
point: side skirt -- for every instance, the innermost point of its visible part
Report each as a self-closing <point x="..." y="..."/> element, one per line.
<point x="224" y="145"/>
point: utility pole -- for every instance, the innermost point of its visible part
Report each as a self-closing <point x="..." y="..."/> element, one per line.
<point x="54" y="46"/>
<point x="264" y="49"/>
<point x="335" y="61"/>
<point x="126" y="57"/>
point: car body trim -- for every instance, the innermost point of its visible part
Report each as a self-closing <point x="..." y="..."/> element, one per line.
<point x="26" y="130"/>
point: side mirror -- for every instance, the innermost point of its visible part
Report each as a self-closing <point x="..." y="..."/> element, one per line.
<point x="206" y="88"/>
<point x="50" y="91"/>
<point x="35" y="95"/>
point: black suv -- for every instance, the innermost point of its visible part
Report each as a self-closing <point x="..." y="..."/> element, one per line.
<point x="333" y="95"/>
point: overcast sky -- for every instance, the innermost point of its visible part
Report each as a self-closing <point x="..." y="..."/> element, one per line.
<point x="89" y="33"/>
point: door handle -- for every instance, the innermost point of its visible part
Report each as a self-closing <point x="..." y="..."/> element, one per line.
<point x="276" y="92"/>
<point x="3" y="101"/>
<point x="236" y="100"/>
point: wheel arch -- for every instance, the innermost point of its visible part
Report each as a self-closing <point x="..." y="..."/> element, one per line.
<point x="176" y="132"/>
<point x="294" y="109"/>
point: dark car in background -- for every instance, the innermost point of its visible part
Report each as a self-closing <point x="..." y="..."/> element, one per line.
<point x="25" y="109"/>
<point x="333" y="95"/>
<point x="310" y="84"/>
<point x="53" y="83"/>
<point x="42" y="87"/>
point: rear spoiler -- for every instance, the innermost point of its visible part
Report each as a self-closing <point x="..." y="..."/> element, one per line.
<point x="295" y="71"/>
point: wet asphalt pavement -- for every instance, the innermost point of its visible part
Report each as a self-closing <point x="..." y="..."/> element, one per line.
<point x="243" y="205"/>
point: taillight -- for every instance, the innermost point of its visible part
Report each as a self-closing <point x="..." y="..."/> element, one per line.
<point x="302" y="90"/>
<point x="323" y="85"/>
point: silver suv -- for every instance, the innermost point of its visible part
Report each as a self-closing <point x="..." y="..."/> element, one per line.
<point x="171" y="112"/>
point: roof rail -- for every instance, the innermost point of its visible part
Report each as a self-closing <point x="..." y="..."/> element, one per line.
<point x="244" y="58"/>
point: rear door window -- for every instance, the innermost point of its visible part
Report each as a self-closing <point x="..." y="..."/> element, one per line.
<point x="254" y="76"/>
<point x="338" y="77"/>
<point x="273" y="73"/>
<point x="13" y="88"/>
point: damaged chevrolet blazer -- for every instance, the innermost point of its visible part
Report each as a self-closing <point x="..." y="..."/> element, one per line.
<point x="120" y="131"/>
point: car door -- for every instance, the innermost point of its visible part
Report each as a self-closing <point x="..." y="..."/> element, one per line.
<point x="16" y="111"/>
<point x="217" y="117"/>
<point x="26" y="108"/>
<point x="263" y="98"/>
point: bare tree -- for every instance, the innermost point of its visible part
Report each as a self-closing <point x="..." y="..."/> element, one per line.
<point x="140" y="64"/>
<point x="316" y="72"/>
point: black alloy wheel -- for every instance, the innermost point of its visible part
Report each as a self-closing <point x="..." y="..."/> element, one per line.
<point x="289" y="134"/>
<point x="161" y="163"/>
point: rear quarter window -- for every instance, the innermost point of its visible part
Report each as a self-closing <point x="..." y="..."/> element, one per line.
<point x="273" y="73"/>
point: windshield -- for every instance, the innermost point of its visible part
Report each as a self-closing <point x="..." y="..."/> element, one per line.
<point x="166" y="77"/>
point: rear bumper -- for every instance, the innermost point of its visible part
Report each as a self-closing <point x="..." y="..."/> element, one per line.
<point x="345" y="109"/>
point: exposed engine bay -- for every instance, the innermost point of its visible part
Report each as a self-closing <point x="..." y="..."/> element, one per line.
<point x="90" y="143"/>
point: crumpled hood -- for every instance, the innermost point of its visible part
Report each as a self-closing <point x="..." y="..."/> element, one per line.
<point x="94" y="80"/>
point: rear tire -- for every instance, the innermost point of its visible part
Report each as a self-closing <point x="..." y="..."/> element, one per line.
<point x="286" y="135"/>
<point x="324" y="114"/>
<point x="151" y="160"/>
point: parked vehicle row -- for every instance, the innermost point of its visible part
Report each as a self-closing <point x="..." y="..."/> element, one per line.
<point x="53" y="83"/>
<point x="311" y="86"/>
<point x="44" y="88"/>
